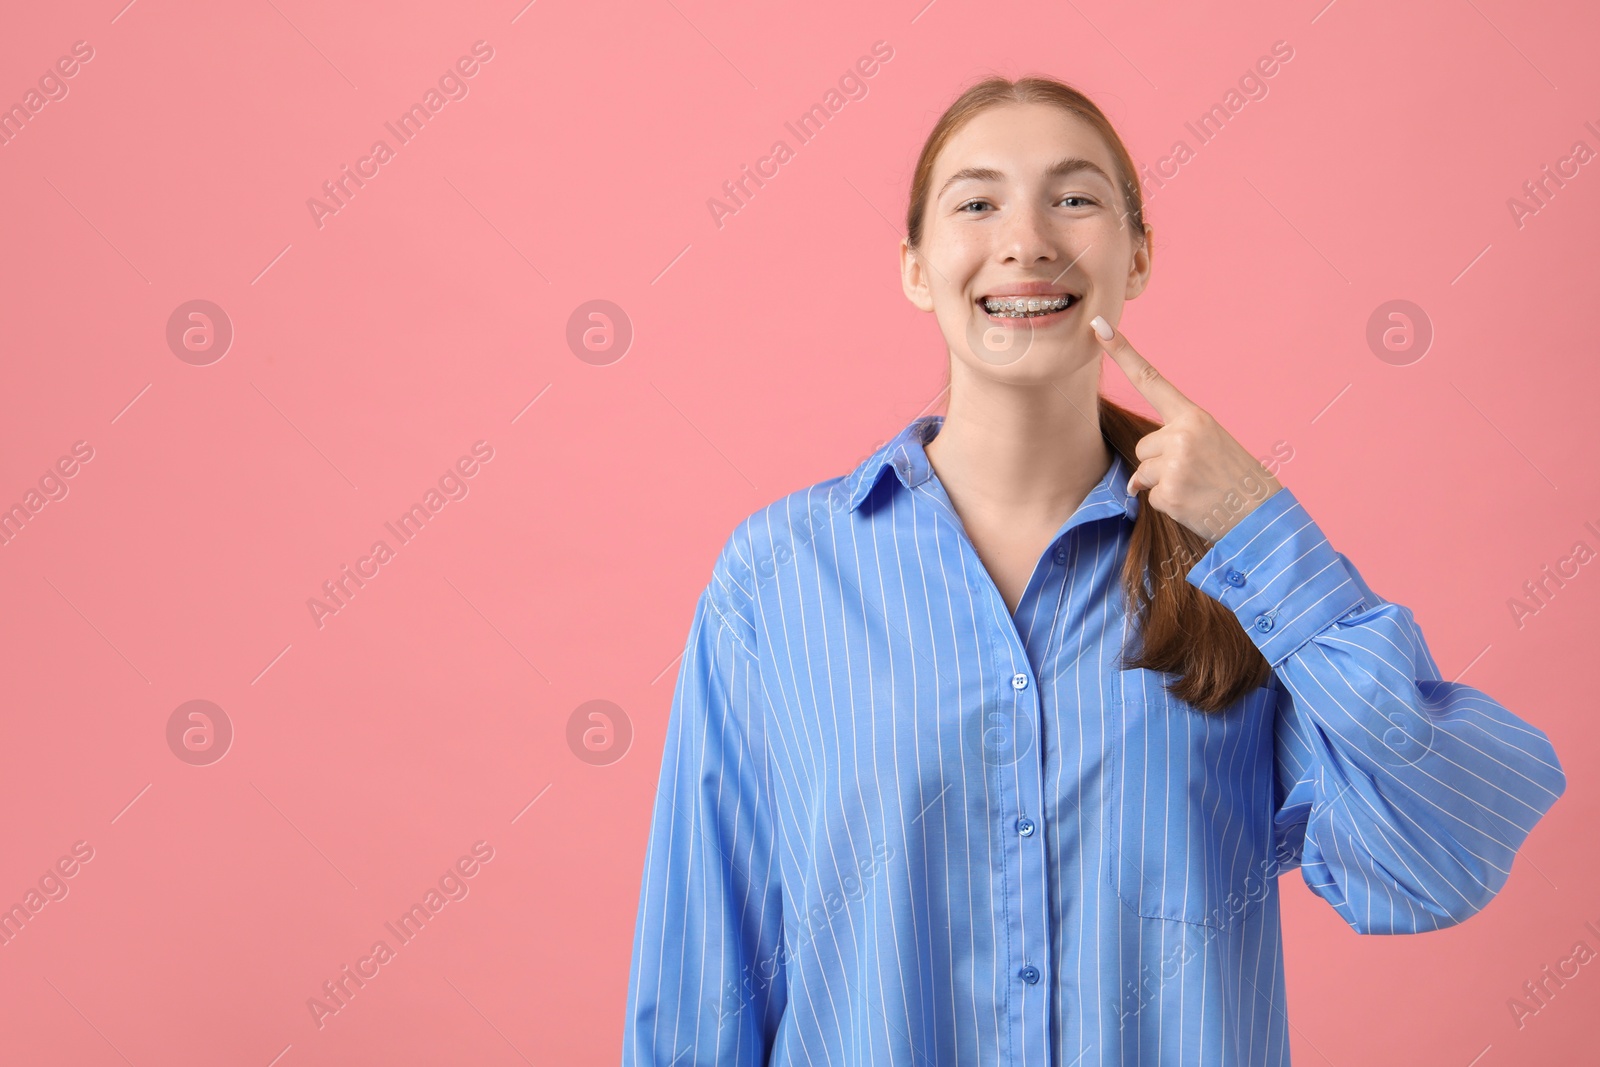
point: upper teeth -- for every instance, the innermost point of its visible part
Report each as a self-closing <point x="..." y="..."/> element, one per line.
<point x="1026" y="305"/>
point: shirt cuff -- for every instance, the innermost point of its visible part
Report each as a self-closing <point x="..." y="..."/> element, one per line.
<point x="1279" y="575"/>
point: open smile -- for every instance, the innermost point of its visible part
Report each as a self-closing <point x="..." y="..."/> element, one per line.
<point x="1038" y="309"/>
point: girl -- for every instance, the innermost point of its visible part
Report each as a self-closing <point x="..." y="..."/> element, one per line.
<point x="992" y="751"/>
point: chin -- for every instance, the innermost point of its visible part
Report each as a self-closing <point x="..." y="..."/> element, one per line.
<point x="1044" y="360"/>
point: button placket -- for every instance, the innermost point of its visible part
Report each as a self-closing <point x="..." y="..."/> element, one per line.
<point x="1023" y="793"/>
<point x="1018" y="876"/>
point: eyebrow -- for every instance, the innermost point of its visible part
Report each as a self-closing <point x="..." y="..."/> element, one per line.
<point x="1061" y="168"/>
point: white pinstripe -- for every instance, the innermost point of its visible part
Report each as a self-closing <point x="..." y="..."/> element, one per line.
<point x="839" y="667"/>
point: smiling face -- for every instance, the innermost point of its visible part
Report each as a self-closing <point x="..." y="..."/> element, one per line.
<point x="1024" y="240"/>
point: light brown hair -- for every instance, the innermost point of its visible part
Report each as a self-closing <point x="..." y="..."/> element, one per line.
<point x="1180" y="629"/>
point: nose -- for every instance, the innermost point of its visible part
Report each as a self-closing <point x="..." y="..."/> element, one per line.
<point x="1025" y="237"/>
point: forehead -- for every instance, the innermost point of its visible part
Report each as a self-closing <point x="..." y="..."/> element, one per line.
<point x="1021" y="140"/>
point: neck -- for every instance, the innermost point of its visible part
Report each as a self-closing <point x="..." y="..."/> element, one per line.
<point x="1030" y="450"/>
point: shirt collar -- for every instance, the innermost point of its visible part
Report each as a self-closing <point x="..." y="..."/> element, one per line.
<point x="904" y="455"/>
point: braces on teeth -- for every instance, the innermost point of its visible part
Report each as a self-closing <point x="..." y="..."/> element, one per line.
<point x="1025" y="307"/>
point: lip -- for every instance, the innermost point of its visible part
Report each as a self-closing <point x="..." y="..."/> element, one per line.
<point x="1032" y="289"/>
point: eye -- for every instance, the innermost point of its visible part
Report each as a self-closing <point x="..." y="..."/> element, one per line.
<point x="972" y="203"/>
<point x="1083" y="200"/>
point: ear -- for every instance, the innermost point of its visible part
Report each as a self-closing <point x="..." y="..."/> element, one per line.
<point x="1139" y="266"/>
<point x="914" y="277"/>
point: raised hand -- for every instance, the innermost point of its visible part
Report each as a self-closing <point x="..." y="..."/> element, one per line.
<point x="1195" y="470"/>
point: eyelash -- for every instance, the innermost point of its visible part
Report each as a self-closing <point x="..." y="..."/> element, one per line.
<point x="962" y="209"/>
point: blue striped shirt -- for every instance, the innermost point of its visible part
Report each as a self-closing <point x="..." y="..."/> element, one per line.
<point x="897" y="824"/>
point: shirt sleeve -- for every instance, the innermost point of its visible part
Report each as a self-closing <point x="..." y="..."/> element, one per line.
<point x="706" y="984"/>
<point x="1402" y="797"/>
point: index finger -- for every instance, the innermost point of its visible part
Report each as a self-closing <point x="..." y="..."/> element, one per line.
<point x="1151" y="383"/>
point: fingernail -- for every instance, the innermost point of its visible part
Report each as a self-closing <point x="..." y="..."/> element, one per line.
<point x="1102" y="328"/>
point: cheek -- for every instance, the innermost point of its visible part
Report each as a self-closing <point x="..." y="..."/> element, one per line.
<point x="953" y="271"/>
<point x="956" y="243"/>
<point x="1108" y="257"/>
<point x="959" y="260"/>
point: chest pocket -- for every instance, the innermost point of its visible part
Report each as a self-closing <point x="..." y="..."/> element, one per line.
<point x="1189" y="796"/>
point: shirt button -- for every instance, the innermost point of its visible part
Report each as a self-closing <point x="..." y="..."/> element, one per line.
<point x="1029" y="974"/>
<point x="1019" y="681"/>
<point x="1025" y="826"/>
<point x="1263" y="623"/>
<point x="1235" y="577"/>
<point x="1060" y="555"/>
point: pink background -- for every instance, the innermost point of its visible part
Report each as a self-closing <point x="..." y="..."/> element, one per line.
<point x="431" y="712"/>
